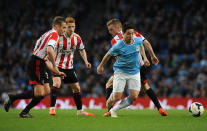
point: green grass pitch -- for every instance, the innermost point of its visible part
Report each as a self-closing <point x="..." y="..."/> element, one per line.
<point x="128" y="120"/>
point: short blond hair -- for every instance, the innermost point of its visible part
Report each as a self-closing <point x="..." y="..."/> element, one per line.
<point x="115" y="22"/>
<point x="58" y="20"/>
<point x="70" y="20"/>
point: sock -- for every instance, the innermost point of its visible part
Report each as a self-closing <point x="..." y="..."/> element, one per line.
<point x="53" y="96"/>
<point x="24" y="95"/>
<point x="32" y="103"/>
<point x="124" y="103"/>
<point x="78" y="101"/>
<point x="153" y="97"/>
<point x="108" y="92"/>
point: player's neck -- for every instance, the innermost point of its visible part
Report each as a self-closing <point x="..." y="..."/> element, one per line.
<point x="54" y="29"/>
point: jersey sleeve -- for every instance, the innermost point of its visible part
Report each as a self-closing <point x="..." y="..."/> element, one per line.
<point x="80" y="44"/>
<point x="137" y="34"/>
<point x="114" y="51"/>
<point x="53" y="40"/>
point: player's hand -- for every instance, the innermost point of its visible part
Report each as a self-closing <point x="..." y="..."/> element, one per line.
<point x="88" y="65"/>
<point x="62" y="75"/>
<point x="155" y="60"/>
<point x="146" y="62"/>
<point x="100" y="69"/>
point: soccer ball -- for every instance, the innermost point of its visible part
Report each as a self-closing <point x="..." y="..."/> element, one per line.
<point x="196" y="109"/>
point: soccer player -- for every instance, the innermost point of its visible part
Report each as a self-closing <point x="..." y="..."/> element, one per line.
<point x="115" y="29"/>
<point x="38" y="72"/>
<point x="126" y="68"/>
<point x="69" y="42"/>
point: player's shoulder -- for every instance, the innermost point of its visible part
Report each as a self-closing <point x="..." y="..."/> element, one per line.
<point x="116" y="38"/>
<point x="53" y="32"/>
<point x="137" y="34"/>
<point x="119" y="43"/>
<point x="76" y="35"/>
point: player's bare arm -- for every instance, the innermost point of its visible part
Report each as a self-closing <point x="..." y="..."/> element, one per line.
<point x="50" y="52"/>
<point x="84" y="56"/>
<point x="146" y="61"/>
<point x="103" y="62"/>
<point x="50" y="67"/>
<point x="151" y="52"/>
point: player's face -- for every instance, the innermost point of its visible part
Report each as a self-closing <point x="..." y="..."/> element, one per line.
<point x="61" y="28"/>
<point x="70" y="28"/>
<point x="128" y="35"/>
<point x="112" y="30"/>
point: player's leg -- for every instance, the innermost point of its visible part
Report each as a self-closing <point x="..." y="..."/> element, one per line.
<point x="32" y="70"/>
<point x="72" y="81"/>
<point x="11" y="98"/>
<point x="40" y="90"/>
<point x="134" y="85"/>
<point x="109" y="87"/>
<point x="149" y="91"/>
<point x="53" y="95"/>
<point x="119" y="83"/>
<point x="153" y="97"/>
<point x="77" y="98"/>
<point x="39" y="94"/>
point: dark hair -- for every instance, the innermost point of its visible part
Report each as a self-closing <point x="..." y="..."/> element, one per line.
<point x="127" y="26"/>
<point x="58" y="20"/>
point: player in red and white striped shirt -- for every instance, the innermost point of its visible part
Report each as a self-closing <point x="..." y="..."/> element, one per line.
<point x="69" y="42"/>
<point x="115" y="29"/>
<point x="37" y="69"/>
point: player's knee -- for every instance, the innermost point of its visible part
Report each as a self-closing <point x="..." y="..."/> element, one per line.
<point x="47" y="92"/>
<point x="108" y="86"/>
<point x="116" y="98"/>
<point x="40" y="94"/>
<point x="76" y="88"/>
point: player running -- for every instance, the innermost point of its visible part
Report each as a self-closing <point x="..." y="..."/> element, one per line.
<point x="38" y="72"/>
<point x="126" y="68"/>
<point x="115" y="29"/>
<point x="69" y="42"/>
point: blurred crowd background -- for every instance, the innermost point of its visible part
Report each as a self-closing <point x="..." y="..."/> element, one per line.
<point x="176" y="29"/>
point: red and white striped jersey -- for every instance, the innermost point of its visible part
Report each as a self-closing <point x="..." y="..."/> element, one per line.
<point x="50" y="38"/>
<point x="65" y="50"/>
<point x="119" y="36"/>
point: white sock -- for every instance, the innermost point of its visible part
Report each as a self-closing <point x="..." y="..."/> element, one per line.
<point x="52" y="108"/>
<point x="124" y="103"/>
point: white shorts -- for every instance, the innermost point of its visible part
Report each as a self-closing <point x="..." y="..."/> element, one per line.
<point x="121" y="79"/>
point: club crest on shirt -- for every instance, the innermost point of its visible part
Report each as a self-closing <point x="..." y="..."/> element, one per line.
<point x="137" y="48"/>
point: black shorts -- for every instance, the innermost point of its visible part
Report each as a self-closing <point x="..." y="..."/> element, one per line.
<point x="143" y="74"/>
<point x="71" y="76"/>
<point x="37" y="71"/>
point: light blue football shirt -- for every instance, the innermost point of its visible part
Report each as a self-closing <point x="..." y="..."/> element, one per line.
<point x="128" y="56"/>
